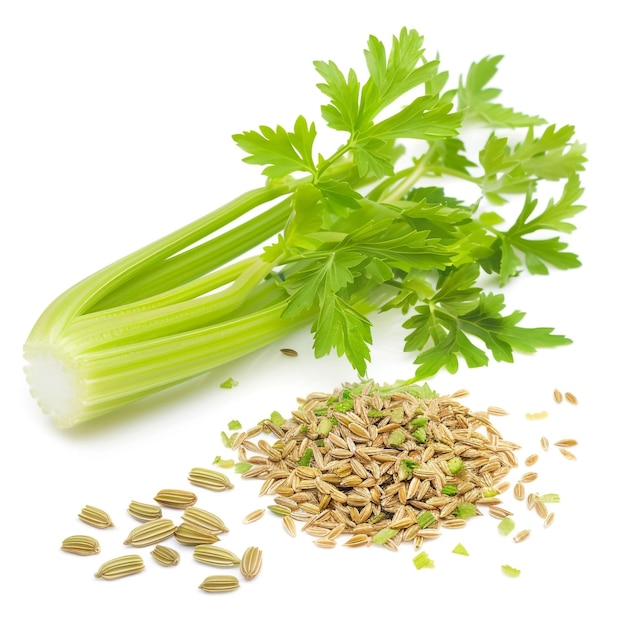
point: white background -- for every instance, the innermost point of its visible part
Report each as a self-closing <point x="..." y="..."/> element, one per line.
<point x="115" y="128"/>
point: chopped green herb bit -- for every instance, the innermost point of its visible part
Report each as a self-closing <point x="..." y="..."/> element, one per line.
<point x="277" y="418"/>
<point x="346" y="394"/>
<point x="460" y="549"/>
<point x="455" y="464"/>
<point x="229" y="383"/>
<point x="506" y="526"/>
<point x="549" y="497"/>
<point x="324" y="427"/>
<point x="304" y="428"/>
<point x="374" y="413"/>
<point x="242" y="467"/>
<point x="305" y="459"/>
<point x="216" y="460"/>
<point x="422" y="560"/>
<point x="409" y="465"/>
<point x="227" y="440"/>
<point x="396" y="416"/>
<point x="226" y="463"/>
<point x="450" y="490"/>
<point x="234" y="425"/>
<point x="420" y="434"/>
<point x="346" y="405"/>
<point x="490" y="493"/>
<point x="425" y="519"/>
<point x="397" y="437"/>
<point x="334" y="421"/>
<point x="384" y="535"/>
<point x="511" y="571"/>
<point x="465" y="510"/>
<point x="419" y="421"/>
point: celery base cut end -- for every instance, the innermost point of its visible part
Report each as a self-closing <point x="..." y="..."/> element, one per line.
<point x="55" y="386"/>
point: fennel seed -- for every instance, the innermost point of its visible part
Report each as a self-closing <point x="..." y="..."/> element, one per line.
<point x="166" y="556"/>
<point x="120" y="566"/>
<point x="209" y="479"/>
<point x="251" y="562"/>
<point x="176" y="498"/>
<point x="571" y="398"/>
<point x="150" y="533"/>
<point x="95" y="517"/>
<point x="216" y="584"/>
<point x="190" y="535"/>
<point x="253" y="516"/>
<point x="215" y="555"/>
<point x="83" y="545"/>
<point x="144" y="512"/>
<point x="204" y="520"/>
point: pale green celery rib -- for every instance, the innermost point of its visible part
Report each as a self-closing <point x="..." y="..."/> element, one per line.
<point x="84" y="295"/>
<point x="123" y="325"/>
<point x="197" y="261"/>
<point x="100" y="381"/>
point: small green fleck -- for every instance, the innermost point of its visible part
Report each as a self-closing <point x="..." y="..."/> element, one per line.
<point x="426" y="519"/>
<point x="490" y="493"/>
<point x="465" y="510"/>
<point x="304" y="428"/>
<point x="511" y="571"/>
<point x="549" y="497"/>
<point x="242" y="467"/>
<point x="506" y="526"/>
<point x="324" y="427"/>
<point x="460" y="549"/>
<point x="419" y="422"/>
<point x="226" y="463"/>
<point x="226" y="440"/>
<point x="455" y="464"/>
<point x="229" y="383"/>
<point x="334" y="421"/>
<point x="422" y="560"/>
<point x="234" y="425"/>
<point x="374" y="413"/>
<point x="277" y="418"/>
<point x="397" y="437"/>
<point x="450" y="490"/>
<point x="305" y="459"/>
<point x="346" y="394"/>
<point x="281" y="511"/>
<point x="384" y="535"/>
<point x="216" y="460"/>
<point x="420" y="434"/>
<point x="409" y="465"/>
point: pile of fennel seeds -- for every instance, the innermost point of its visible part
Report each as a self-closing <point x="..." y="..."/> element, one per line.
<point x="379" y="465"/>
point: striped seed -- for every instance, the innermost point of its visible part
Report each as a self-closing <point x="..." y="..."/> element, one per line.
<point x="571" y="398"/>
<point x="289" y="352"/>
<point x="209" y="479"/>
<point x="558" y="396"/>
<point x="528" y="477"/>
<point x="531" y="460"/>
<point x="176" y="498"/>
<point x="191" y="535"/>
<point x="253" y="516"/>
<point x="545" y="444"/>
<point x="570" y="456"/>
<point x="204" y="520"/>
<point x="519" y="491"/>
<point x="214" y="555"/>
<point x="521" y="536"/>
<point x="290" y="525"/>
<point x="95" y="517"/>
<point x="494" y="511"/>
<point x="217" y="584"/>
<point x="541" y="508"/>
<point x="251" y="562"/>
<point x="166" y="556"/>
<point x="149" y="533"/>
<point x="549" y="519"/>
<point x="496" y="410"/>
<point x="325" y="543"/>
<point x="530" y="500"/>
<point x="144" y="512"/>
<point x="121" y="566"/>
<point x="357" y="540"/>
<point x="566" y="443"/>
<point x="83" y="545"/>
